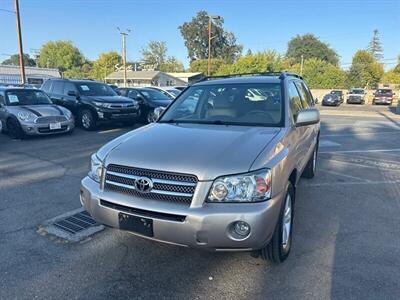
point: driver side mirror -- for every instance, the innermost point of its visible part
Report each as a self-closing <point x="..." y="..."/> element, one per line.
<point x="73" y="94"/>
<point x="158" y="111"/>
<point x="307" y="117"/>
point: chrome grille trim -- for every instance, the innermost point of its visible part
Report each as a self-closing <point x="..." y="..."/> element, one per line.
<point x="131" y="187"/>
<point x="168" y="187"/>
<point x="155" y="180"/>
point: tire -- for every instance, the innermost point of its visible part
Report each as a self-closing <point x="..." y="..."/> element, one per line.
<point x="87" y="120"/>
<point x="309" y="170"/>
<point x="14" y="129"/>
<point x="150" y="116"/>
<point x="278" y="249"/>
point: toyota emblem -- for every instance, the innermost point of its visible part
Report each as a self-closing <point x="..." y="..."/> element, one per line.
<point x="143" y="184"/>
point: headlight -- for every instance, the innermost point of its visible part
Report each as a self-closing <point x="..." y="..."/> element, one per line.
<point x="96" y="168"/>
<point x="27" y="116"/>
<point x="101" y="104"/>
<point x="67" y="113"/>
<point x="248" y="187"/>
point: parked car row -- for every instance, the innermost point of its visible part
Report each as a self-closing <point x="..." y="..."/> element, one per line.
<point x="60" y="102"/>
<point x="357" y="96"/>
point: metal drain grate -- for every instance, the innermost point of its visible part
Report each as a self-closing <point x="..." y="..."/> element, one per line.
<point x="72" y="226"/>
<point x="76" y="222"/>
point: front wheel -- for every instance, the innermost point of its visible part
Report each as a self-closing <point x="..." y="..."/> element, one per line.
<point x="87" y="120"/>
<point x="279" y="247"/>
<point x="14" y="129"/>
<point x="151" y="116"/>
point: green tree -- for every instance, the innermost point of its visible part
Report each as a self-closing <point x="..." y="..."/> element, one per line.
<point x="264" y="61"/>
<point x="310" y="46"/>
<point x="201" y="65"/>
<point x="105" y="64"/>
<point x="365" y="71"/>
<point x="321" y="74"/>
<point x="155" y="54"/>
<point x="391" y="77"/>
<point x="83" y="72"/>
<point x="14" y="60"/>
<point x="172" y="64"/>
<point x="375" y="46"/>
<point x="62" y="55"/>
<point x="195" y="35"/>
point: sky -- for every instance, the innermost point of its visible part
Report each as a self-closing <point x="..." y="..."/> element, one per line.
<point x="346" y="25"/>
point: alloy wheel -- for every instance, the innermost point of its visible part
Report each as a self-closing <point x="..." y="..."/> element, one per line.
<point x="287" y="223"/>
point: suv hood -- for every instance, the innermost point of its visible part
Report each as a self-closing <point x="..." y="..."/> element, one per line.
<point x="207" y="151"/>
<point x="108" y="99"/>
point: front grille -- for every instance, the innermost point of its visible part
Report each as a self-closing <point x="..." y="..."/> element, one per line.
<point x="170" y="187"/>
<point x="47" y="129"/>
<point x="50" y="119"/>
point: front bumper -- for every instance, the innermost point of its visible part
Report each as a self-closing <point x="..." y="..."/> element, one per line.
<point x="331" y="103"/>
<point x="204" y="226"/>
<point x="355" y="100"/>
<point x="117" y="114"/>
<point x="382" y="101"/>
<point x="44" y="129"/>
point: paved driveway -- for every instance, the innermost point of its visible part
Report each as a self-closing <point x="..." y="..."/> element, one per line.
<point x="346" y="242"/>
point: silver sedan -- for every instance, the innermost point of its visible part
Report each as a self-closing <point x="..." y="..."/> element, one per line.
<point x="31" y="112"/>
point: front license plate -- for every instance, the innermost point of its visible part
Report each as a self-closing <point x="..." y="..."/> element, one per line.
<point x="136" y="224"/>
<point x="54" y="126"/>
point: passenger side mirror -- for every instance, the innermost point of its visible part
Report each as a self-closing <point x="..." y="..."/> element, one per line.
<point x="307" y="117"/>
<point x="158" y="111"/>
<point x="73" y="94"/>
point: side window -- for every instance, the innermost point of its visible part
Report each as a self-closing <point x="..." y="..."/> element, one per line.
<point x="305" y="97"/>
<point x="2" y="100"/>
<point x="310" y="96"/>
<point x="46" y="86"/>
<point x="294" y="100"/>
<point x="58" y="87"/>
<point x="133" y="94"/>
<point x="69" y="87"/>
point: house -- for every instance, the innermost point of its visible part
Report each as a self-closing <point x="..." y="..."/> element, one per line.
<point x="188" y="77"/>
<point x="144" y="78"/>
<point x="34" y="75"/>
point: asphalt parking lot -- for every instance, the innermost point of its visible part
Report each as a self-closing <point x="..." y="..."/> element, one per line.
<point x="346" y="240"/>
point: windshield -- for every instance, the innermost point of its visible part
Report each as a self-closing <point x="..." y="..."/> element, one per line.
<point x="26" y="97"/>
<point x="239" y="104"/>
<point x="357" y="92"/>
<point x="151" y="94"/>
<point x="384" y="91"/>
<point x="95" y="89"/>
<point x="175" y="92"/>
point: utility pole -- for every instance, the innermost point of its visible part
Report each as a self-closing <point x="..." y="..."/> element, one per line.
<point x="21" y="51"/>
<point x="210" y="18"/>
<point x="301" y="65"/>
<point x="124" y="34"/>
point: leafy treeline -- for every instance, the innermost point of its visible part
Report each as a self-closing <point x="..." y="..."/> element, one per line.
<point x="318" y="62"/>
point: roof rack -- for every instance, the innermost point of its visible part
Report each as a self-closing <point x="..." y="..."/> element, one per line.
<point x="281" y="75"/>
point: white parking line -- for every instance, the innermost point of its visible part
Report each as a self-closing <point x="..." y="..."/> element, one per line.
<point x="350" y="183"/>
<point x="362" y="133"/>
<point x="344" y="175"/>
<point x="110" y="130"/>
<point x="361" y="151"/>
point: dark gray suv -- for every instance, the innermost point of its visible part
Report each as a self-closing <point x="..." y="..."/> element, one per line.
<point x="92" y="102"/>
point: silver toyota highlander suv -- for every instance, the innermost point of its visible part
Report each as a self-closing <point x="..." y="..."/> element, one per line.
<point x="217" y="171"/>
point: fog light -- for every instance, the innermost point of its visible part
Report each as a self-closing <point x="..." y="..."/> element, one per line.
<point x="101" y="115"/>
<point x="241" y="228"/>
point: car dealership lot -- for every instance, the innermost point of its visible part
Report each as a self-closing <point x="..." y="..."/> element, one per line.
<point x="346" y="241"/>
